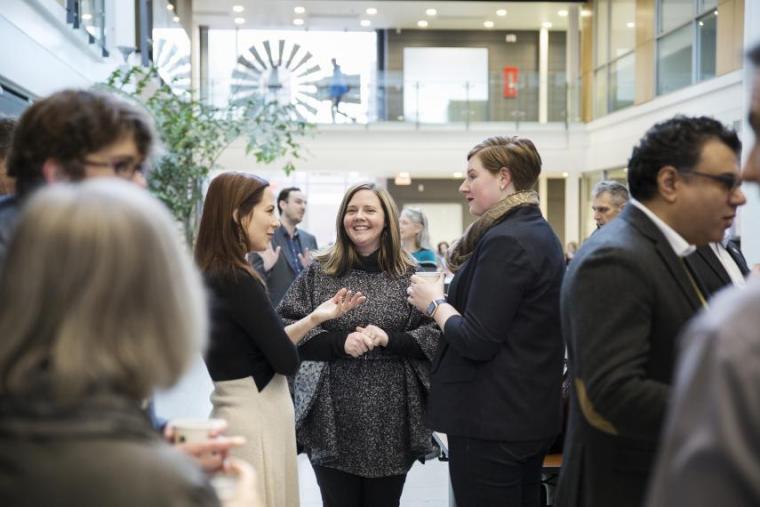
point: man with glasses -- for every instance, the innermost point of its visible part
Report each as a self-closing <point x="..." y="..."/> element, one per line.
<point x="720" y="264"/>
<point x="682" y="177"/>
<point x="71" y="136"/>
<point x="711" y="445"/>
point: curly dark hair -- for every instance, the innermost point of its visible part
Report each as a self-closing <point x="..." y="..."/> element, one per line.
<point x="67" y="126"/>
<point x="7" y="125"/>
<point x="675" y="142"/>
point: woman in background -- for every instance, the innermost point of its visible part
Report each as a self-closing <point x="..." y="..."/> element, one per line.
<point x="415" y="237"/>
<point x="361" y="391"/>
<point x="249" y="352"/>
<point x="83" y="346"/>
<point x="497" y="375"/>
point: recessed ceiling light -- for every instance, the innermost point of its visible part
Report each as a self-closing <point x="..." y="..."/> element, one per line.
<point x="239" y="21"/>
<point x="365" y="22"/>
<point x="546" y="24"/>
<point x="86" y="17"/>
<point x="170" y="7"/>
<point x="176" y="19"/>
<point x="238" y="8"/>
<point x="299" y="9"/>
<point x="298" y="21"/>
<point x="585" y="13"/>
<point x="431" y="12"/>
<point x="501" y="12"/>
<point x="630" y="24"/>
<point x="565" y="175"/>
<point x="488" y="23"/>
<point x="458" y="174"/>
<point x="562" y="13"/>
<point x="701" y="23"/>
<point x="371" y="11"/>
<point x="422" y="23"/>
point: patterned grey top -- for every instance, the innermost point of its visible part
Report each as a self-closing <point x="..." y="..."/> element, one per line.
<point x="364" y="416"/>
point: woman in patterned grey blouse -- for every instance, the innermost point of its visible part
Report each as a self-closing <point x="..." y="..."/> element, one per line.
<point x="361" y="389"/>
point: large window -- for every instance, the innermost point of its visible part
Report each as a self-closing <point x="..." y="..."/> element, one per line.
<point x="686" y="40"/>
<point x="614" y="76"/>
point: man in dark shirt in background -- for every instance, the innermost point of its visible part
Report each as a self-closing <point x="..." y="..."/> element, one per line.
<point x="291" y="247"/>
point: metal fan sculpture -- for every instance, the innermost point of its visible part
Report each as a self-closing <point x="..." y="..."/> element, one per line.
<point x="173" y="65"/>
<point x="288" y="73"/>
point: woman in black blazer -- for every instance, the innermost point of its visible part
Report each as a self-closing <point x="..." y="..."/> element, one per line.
<point x="497" y="374"/>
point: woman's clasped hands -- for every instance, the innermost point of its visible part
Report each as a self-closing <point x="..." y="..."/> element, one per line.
<point x="364" y="339"/>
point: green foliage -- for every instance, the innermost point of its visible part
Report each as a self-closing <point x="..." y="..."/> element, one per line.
<point x="195" y="134"/>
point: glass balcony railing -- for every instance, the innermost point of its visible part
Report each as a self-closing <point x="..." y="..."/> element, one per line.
<point x="90" y="17"/>
<point x="388" y="97"/>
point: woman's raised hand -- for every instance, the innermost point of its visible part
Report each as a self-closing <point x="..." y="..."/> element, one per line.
<point x="343" y="301"/>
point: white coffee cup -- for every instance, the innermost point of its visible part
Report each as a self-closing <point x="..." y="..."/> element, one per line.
<point x="191" y="430"/>
<point x="430" y="276"/>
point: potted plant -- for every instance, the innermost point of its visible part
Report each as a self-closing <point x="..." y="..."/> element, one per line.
<point x="194" y="134"/>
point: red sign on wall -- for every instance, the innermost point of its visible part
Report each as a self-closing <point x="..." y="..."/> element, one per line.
<point x="510" y="75"/>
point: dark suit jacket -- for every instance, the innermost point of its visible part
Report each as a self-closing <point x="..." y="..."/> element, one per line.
<point x="709" y="269"/>
<point x="282" y="274"/>
<point x="498" y="372"/>
<point x="625" y="298"/>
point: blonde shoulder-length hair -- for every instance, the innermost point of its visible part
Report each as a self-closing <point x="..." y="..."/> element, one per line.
<point x="339" y="258"/>
<point x="97" y="292"/>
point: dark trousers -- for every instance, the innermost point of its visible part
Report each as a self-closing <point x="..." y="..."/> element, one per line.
<point x="341" y="489"/>
<point x="492" y="473"/>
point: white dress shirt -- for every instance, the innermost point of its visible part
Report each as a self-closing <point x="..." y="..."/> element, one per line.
<point x="680" y="246"/>
<point x="728" y="264"/>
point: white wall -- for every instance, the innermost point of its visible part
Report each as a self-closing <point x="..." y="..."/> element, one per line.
<point x="40" y="53"/>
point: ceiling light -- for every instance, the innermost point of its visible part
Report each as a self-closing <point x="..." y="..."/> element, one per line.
<point x="431" y="12"/>
<point x="365" y="22"/>
<point x="86" y="17"/>
<point x="170" y="7"/>
<point x="298" y="21"/>
<point x="562" y="13"/>
<point x="585" y="13"/>
<point x="501" y="12"/>
<point x="238" y="8"/>
<point x="458" y="174"/>
<point x="299" y="9"/>
<point x="546" y="24"/>
<point x="565" y="175"/>
<point x="175" y="19"/>
<point x="239" y="21"/>
<point x="371" y="11"/>
<point x="715" y="12"/>
<point x="630" y="24"/>
<point x="701" y="23"/>
<point x="422" y="23"/>
<point x="488" y="23"/>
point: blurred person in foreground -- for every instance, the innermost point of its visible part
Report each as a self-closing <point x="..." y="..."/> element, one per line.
<point x="75" y="135"/>
<point x="710" y="453"/>
<point x="250" y="351"/>
<point x="360" y="391"/>
<point x="7" y="185"/>
<point x="497" y="375"/>
<point x="78" y="135"/>
<point x="683" y="178"/>
<point x="84" y="345"/>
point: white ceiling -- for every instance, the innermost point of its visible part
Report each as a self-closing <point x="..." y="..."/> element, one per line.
<point x="347" y="14"/>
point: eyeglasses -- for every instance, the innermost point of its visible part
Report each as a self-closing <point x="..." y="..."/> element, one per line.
<point x="121" y="168"/>
<point x="729" y="182"/>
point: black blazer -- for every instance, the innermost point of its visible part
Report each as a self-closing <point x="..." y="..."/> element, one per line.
<point x="625" y="298"/>
<point x="498" y="372"/>
<point x="282" y="274"/>
<point x="706" y="265"/>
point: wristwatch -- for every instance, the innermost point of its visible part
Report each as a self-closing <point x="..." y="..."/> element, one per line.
<point x="433" y="306"/>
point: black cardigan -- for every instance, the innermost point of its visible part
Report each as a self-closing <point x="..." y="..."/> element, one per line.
<point x="247" y="336"/>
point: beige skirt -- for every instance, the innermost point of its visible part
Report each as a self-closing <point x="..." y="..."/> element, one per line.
<point x="267" y="422"/>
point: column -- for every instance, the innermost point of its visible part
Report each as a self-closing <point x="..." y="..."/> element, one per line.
<point x="572" y="63"/>
<point x="543" y="75"/>
<point x="748" y="225"/>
